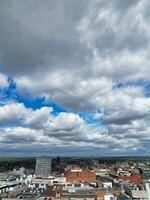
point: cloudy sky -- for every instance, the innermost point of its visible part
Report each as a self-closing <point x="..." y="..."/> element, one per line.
<point x="74" y="77"/>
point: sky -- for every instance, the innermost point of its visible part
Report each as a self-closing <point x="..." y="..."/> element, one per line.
<point x="74" y="77"/>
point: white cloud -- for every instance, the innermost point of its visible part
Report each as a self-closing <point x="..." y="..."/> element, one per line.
<point x="3" y="81"/>
<point x="66" y="89"/>
<point x="123" y="105"/>
<point x="118" y="39"/>
<point x="11" y="113"/>
<point x="65" y="130"/>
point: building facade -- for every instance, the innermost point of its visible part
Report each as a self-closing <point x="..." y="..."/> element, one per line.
<point x="80" y="176"/>
<point x="43" y="166"/>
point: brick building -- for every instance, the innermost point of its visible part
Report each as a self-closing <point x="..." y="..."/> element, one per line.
<point x="80" y="176"/>
<point x="134" y="179"/>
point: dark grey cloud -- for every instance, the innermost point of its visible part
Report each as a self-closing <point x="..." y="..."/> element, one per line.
<point x="35" y="35"/>
<point x="124" y="5"/>
<point x="125" y="117"/>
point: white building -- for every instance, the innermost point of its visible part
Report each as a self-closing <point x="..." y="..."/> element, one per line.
<point x="147" y="186"/>
<point x="44" y="182"/>
<point x="102" y="172"/>
<point x="107" y="184"/>
<point x="109" y="197"/>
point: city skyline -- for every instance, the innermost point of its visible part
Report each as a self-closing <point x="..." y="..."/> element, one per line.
<point x="74" y="78"/>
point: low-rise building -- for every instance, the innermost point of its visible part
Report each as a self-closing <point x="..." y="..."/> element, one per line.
<point x="135" y="192"/>
<point x="80" y="176"/>
<point x="9" y="186"/>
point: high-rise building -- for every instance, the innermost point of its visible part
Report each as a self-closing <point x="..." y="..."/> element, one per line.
<point x="43" y="166"/>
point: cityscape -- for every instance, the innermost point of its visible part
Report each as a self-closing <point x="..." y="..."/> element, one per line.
<point x="47" y="178"/>
<point x="75" y="99"/>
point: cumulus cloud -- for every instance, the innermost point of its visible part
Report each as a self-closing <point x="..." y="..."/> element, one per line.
<point x="68" y="90"/>
<point x="65" y="130"/>
<point x="3" y="81"/>
<point x="124" y="105"/>
<point x="11" y="113"/>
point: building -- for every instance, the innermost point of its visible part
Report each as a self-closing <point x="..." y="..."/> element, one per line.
<point x="146" y="174"/>
<point x="80" y="176"/>
<point x="102" y="172"/>
<point x="109" y="197"/>
<point x="9" y="186"/>
<point x="147" y="187"/>
<point x="124" y="196"/>
<point x="136" y="192"/>
<point x="107" y="184"/>
<point x="43" y="183"/>
<point x="136" y="179"/>
<point x="43" y="166"/>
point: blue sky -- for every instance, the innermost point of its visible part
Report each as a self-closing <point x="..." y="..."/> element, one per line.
<point x="74" y="77"/>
